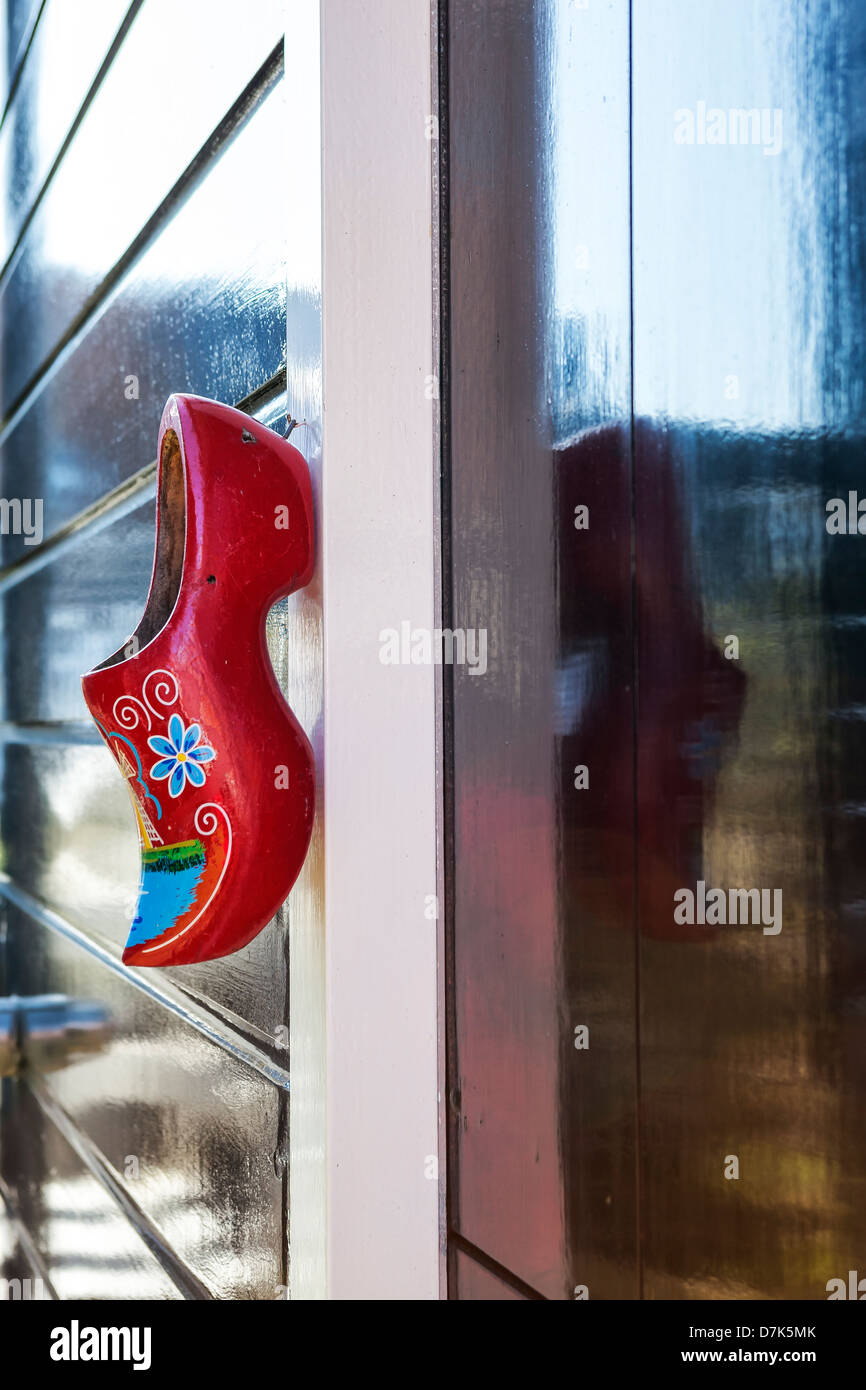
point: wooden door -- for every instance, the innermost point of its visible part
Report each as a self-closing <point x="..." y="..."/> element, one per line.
<point x="655" y="356"/>
<point x="148" y="246"/>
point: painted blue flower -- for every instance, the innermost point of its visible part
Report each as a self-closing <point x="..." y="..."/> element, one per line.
<point x="180" y="756"/>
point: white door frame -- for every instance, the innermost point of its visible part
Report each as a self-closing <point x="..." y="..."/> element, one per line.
<point x="380" y="518"/>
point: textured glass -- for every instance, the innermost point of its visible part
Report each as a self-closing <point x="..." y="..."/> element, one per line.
<point x="167" y="252"/>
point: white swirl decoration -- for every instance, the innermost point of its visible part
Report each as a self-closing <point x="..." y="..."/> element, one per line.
<point x="207" y="824"/>
<point x="126" y="712"/>
<point x="165" y="692"/>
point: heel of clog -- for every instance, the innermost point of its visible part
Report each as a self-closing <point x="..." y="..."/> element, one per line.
<point x="249" y="493"/>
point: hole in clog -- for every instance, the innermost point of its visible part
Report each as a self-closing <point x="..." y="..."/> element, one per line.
<point x="168" y="566"/>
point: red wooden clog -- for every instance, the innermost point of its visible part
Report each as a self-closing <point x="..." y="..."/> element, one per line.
<point x="220" y="772"/>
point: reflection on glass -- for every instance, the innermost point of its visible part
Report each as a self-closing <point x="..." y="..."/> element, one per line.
<point x="711" y="674"/>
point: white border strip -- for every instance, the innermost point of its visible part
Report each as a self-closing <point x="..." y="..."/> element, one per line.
<point x="300" y="662"/>
<point x="379" y="531"/>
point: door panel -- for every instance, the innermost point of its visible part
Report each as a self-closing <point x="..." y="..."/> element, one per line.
<point x="542" y="1129"/>
<point x="475" y="1282"/>
<point x="656" y="303"/>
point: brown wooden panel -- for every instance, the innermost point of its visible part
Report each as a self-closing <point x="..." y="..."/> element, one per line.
<point x="473" y="1282"/>
<point x="543" y="1131"/>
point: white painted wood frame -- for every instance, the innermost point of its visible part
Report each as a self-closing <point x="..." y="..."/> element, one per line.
<point x="380" y="516"/>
